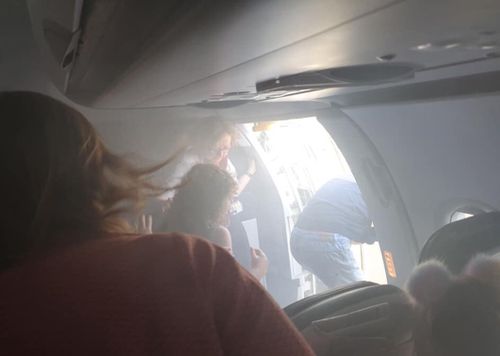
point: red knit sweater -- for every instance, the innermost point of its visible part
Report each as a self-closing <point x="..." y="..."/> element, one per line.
<point x="150" y="295"/>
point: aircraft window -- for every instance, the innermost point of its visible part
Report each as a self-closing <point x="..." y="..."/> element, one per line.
<point x="468" y="210"/>
<point x="300" y="162"/>
<point x="460" y="215"/>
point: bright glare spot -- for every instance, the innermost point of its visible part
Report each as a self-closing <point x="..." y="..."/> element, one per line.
<point x="451" y="45"/>
<point x="311" y="66"/>
<point x="488" y="47"/>
<point x="423" y="47"/>
<point x="370" y="260"/>
<point x="460" y="215"/>
<point x="303" y="152"/>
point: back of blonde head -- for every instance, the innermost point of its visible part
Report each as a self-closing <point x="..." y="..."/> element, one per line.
<point x="59" y="177"/>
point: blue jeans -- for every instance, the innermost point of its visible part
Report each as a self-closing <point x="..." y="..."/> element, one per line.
<point x="328" y="256"/>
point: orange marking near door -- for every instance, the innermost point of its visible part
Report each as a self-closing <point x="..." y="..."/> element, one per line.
<point x="389" y="264"/>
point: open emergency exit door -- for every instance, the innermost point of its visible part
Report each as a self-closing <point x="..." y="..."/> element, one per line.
<point x="299" y="156"/>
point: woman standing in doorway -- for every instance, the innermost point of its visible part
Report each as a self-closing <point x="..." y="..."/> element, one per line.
<point x="211" y="141"/>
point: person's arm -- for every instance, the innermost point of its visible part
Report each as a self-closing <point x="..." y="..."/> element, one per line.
<point x="145" y="224"/>
<point x="222" y="237"/>
<point x="245" y="178"/>
<point x="259" y="263"/>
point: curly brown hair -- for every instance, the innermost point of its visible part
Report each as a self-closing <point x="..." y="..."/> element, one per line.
<point x="59" y="177"/>
<point x="202" y="200"/>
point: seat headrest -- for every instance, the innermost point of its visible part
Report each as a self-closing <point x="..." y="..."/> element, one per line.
<point x="293" y="310"/>
<point x="456" y="243"/>
<point x="363" y="310"/>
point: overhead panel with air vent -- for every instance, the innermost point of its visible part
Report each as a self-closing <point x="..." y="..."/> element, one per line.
<point x="164" y="53"/>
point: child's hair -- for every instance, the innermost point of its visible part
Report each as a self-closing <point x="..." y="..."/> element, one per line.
<point x="460" y="314"/>
<point x="202" y="200"/>
<point x="465" y="320"/>
<point x="486" y="269"/>
<point x="428" y="282"/>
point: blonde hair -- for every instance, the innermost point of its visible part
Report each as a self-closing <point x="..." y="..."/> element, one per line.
<point x="205" y="133"/>
<point x="60" y="177"/>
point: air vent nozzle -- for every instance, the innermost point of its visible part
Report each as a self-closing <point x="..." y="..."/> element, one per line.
<point x="367" y="74"/>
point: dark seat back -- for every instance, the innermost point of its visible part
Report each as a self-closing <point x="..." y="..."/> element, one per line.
<point x="456" y="243"/>
<point x="294" y="311"/>
<point x="361" y="310"/>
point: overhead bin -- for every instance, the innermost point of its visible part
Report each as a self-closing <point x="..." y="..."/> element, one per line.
<point x="125" y="53"/>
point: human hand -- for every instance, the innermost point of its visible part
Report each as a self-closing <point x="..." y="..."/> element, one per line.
<point x="166" y="205"/>
<point x="259" y="263"/>
<point x="145" y="224"/>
